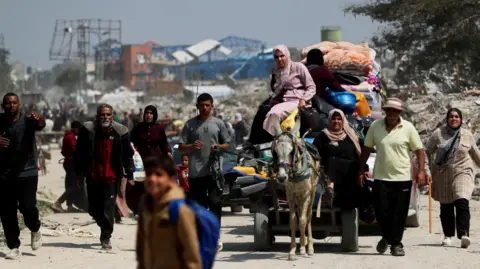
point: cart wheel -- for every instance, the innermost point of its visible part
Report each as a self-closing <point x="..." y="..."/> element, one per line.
<point x="236" y="208"/>
<point x="350" y="230"/>
<point x="262" y="231"/>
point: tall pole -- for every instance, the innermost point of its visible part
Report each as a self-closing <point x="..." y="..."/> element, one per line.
<point x="82" y="50"/>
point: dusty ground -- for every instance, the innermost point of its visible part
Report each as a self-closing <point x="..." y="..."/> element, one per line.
<point x="76" y="248"/>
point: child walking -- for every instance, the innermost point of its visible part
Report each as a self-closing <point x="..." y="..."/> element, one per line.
<point x="182" y="171"/>
<point x="159" y="243"/>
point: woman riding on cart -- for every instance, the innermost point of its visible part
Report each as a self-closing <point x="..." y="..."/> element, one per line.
<point x="292" y="87"/>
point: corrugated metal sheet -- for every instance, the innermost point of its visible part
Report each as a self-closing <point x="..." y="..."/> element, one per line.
<point x="205" y="46"/>
<point x="213" y="90"/>
<point x="182" y="56"/>
<point x="224" y="50"/>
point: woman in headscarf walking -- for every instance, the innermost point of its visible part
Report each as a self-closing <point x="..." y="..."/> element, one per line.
<point x="148" y="136"/>
<point x="340" y="150"/>
<point x="452" y="175"/>
<point x="292" y="87"/>
<point x="149" y="139"/>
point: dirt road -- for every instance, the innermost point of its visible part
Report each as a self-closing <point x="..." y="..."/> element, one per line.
<point x="73" y="246"/>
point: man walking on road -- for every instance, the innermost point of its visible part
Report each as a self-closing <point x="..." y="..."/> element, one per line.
<point x="18" y="173"/>
<point x="200" y="136"/>
<point x="393" y="138"/>
<point x="68" y="151"/>
<point x="103" y="153"/>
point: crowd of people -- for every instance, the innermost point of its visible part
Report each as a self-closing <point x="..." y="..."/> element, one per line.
<point x="99" y="153"/>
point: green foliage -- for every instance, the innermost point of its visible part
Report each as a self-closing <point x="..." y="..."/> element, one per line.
<point x="69" y="78"/>
<point x="428" y="37"/>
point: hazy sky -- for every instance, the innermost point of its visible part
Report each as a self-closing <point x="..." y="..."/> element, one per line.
<point x="28" y="24"/>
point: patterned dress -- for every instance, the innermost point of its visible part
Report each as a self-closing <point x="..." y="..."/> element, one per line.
<point x="455" y="180"/>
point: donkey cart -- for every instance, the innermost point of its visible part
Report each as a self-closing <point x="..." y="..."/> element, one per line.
<point x="271" y="218"/>
<point x="266" y="198"/>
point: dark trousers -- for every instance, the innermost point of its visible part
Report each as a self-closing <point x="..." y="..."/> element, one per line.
<point x="70" y="185"/>
<point x="204" y="191"/>
<point x="391" y="202"/>
<point x="461" y="218"/>
<point x="101" y="205"/>
<point x="21" y="193"/>
<point x="258" y="135"/>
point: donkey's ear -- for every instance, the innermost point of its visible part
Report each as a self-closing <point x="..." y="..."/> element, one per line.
<point x="296" y="127"/>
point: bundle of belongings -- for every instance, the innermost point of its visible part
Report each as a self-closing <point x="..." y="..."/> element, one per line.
<point x="354" y="66"/>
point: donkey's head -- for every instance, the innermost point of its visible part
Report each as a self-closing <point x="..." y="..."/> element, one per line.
<point x="285" y="149"/>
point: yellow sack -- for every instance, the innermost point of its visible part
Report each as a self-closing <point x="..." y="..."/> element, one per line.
<point x="289" y="122"/>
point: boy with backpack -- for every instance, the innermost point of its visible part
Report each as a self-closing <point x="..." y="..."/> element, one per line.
<point x="173" y="233"/>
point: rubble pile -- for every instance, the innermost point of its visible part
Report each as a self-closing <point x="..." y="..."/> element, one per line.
<point x="427" y="112"/>
<point x="245" y="100"/>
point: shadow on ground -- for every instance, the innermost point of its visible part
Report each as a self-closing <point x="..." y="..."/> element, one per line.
<point x="279" y="251"/>
<point x="2" y="254"/>
<point x="70" y="245"/>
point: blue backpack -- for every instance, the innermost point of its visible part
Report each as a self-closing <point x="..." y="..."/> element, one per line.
<point x="208" y="229"/>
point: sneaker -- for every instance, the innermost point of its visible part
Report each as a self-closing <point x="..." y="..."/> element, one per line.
<point x="447" y="241"/>
<point x="106" y="244"/>
<point x="465" y="242"/>
<point x="36" y="240"/>
<point x="398" y="251"/>
<point x="13" y="254"/>
<point x="382" y="246"/>
<point x="219" y="246"/>
<point x="57" y="207"/>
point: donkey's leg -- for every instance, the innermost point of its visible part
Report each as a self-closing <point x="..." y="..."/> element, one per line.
<point x="303" y="225"/>
<point x="293" y="231"/>
<point x="310" y="239"/>
<point x="309" y="220"/>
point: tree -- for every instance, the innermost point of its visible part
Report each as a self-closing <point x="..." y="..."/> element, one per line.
<point x="6" y="83"/>
<point x="428" y="37"/>
<point x="69" y="79"/>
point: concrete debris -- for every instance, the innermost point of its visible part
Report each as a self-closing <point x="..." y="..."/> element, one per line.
<point x="428" y="112"/>
<point x="55" y="229"/>
<point x="245" y="99"/>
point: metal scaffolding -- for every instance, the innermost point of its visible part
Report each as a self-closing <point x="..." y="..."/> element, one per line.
<point x="76" y="40"/>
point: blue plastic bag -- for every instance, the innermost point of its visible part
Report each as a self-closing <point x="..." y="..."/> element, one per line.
<point x="345" y="101"/>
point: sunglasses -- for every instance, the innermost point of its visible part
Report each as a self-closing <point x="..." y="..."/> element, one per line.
<point x="278" y="56"/>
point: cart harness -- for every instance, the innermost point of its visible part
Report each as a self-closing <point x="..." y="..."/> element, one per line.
<point x="299" y="150"/>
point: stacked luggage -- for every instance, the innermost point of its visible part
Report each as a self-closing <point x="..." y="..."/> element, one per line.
<point x="354" y="66"/>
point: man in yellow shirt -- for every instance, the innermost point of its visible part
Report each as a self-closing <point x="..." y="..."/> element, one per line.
<point x="393" y="138"/>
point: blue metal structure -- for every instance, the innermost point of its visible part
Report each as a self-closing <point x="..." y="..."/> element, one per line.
<point x="108" y="50"/>
<point x="246" y="61"/>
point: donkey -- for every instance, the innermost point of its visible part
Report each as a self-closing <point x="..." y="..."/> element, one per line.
<point x="298" y="170"/>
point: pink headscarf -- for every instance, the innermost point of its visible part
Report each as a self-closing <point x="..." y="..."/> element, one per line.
<point x="344" y="132"/>
<point x="281" y="74"/>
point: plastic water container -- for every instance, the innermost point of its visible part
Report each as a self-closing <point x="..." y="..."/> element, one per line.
<point x="137" y="160"/>
<point x="345" y="101"/>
